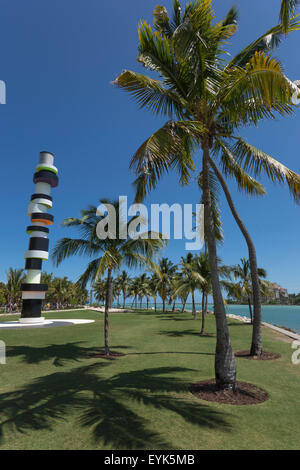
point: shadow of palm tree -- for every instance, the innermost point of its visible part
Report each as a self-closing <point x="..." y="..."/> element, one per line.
<point x="180" y="333"/>
<point x="169" y="352"/>
<point x="107" y="406"/>
<point x="60" y="353"/>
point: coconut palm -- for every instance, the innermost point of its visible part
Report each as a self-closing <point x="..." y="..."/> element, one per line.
<point x="189" y="281"/>
<point x="12" y="289"/>
<point x="124" y="282"/>
<point x="100" y="288"/>
<point x="60" y="292"/>
<point x="109" y="253"/>
<point x="206" y="99"/>
<point x="201" y="263"/>
<point x="165" y="272"/>
<point x="244" y="288"/>
<point x="116" y="290"/>
<point x="153" y="283"/>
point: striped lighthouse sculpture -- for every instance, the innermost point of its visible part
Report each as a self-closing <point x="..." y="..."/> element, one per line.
<point x="33" y="292"/>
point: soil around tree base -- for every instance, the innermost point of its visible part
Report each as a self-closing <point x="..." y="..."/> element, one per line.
<point x="111" y="355"/>
<point x="246" y="394"/>
<point x="265" y="356"/>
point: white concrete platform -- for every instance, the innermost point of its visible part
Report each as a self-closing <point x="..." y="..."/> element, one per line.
<point x="47" y="324"/>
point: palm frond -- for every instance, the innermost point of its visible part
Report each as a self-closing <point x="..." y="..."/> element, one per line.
<point x="89" y="274"/>
<point x="156" y="52"/>
<point x="261" y="80"/>
<point x="67" y="247"/>
<point x="266" y="42"/>
<point x="171" y="147"/>
<point x="255" y="160"/>
<point x="150" y="93"/>
<point x="287" y="10"/>
<point x="161" y="20"/>
<point x="231" y="168"/>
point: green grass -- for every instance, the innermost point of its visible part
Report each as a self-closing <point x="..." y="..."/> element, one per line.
<point x="54" y="396"/>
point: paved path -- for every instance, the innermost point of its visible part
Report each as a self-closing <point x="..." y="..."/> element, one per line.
<point x="282" y="331"/>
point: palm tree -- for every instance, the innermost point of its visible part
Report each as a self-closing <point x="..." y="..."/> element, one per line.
<point x="153" y="283"/>
<point x="202" y="266"/>
<point x="206" y="99"/>
<point x="165" y="271"/>
<point x="114" y="251"/>
<point x="100" y="288"/>
<point x="134" y="290"/>
<point x="12" y="289"/>
<point x="242" y="271"/>
<point x="189" y="281"/>
<point x="60" y="291"/>
<point x="116" y="290"/>
<point x="124" y="282"/>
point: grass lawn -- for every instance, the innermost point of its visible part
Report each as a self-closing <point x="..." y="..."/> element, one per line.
<point x="54" y="396"/>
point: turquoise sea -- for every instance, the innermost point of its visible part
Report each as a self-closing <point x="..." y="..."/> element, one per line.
<point x="280" y="315"/>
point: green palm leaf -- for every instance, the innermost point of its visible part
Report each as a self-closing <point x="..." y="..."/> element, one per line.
<point x="255" y="160"/>
<point x="231" y="168"/>
<point x="287" y="9"/>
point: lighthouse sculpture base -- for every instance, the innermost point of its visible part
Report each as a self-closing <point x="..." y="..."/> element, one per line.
<point x="32" y="320"/>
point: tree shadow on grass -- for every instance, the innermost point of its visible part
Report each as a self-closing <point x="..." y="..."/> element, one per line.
<point x="180" y="333"/>
<point x="173" y="318"/>
<point x="170" y="352"/>
<point x="108" y="407"/>
<point x="60" y="353"/>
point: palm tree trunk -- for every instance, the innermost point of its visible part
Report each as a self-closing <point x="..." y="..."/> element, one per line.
<point x="107" y="304"/>
<point x="183" y="305"/>
<point x="173" y="308"/>
<point x="203" y="314"/>
<point x="124" y="297"/>
<point x="225" y="365"/>
<point x="164" y="305"/>
<point x="256" y="346"/>
<point x="250" y="310"/>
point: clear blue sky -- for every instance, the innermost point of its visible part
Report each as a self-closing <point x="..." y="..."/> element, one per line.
<point x="58" y="59"/>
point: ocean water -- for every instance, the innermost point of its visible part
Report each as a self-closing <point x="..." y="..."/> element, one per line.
<point x="280" y="315"/>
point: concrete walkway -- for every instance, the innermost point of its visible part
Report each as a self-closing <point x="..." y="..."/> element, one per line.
<point x="290" y="334"/>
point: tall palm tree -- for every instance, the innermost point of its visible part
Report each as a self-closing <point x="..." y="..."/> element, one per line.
<point x="134" y="289"/>
<point x="12" y="289"/>
<point x="124" y="282"/>
<point x="153" y="283"/>
<point x="189" y="281"/>
<point x="114" y="251"/>
<point x="202" y="266"/>
<point x="206" y="99"/>
<point x="116" y="289"/>
<point x="60" y="291"/>
<point x="100" y="288"/>
<point x="165" y="271"/>
<point x="242" y="271"/>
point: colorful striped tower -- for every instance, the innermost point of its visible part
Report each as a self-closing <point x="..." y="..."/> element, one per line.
<point x="33" y="292"/>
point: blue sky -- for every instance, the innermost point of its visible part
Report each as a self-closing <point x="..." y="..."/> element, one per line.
<point x="58" y="60"/>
